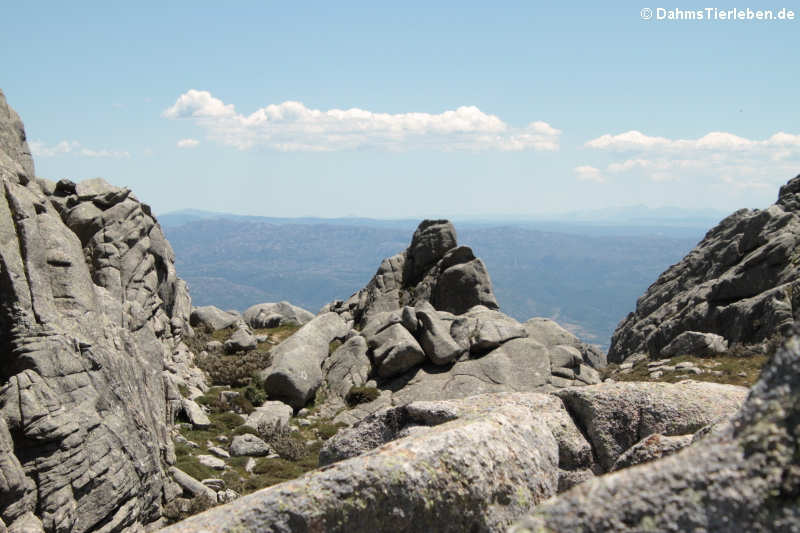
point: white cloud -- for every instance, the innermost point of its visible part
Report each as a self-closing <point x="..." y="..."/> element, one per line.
<point x="636" y="141"/>
<point x="188" y="143"/>
<point x="720" y="157"/>
<point x="588" y="173"/>
<point x="291" y="126"/>
<point x="40" y="149"/>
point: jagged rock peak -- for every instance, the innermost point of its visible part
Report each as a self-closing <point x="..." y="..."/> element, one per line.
<point x="431" y="241"/>
<point x="434" y="269"/>
<point x="13" y="141"/>
<point x="740" y="282"/>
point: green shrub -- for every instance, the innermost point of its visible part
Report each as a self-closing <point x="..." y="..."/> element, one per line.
<point x="326" y="430"/>
<point x="255" y="394"/>
<point x="359" y="395"/>
<point x="288" y="445"/>
<point x="233" y="370"/>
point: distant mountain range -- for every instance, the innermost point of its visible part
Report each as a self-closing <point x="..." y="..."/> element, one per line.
<point x="586" y="275"/>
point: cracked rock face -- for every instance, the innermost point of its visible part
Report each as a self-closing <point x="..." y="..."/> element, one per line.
<point x="739" y="282"/>
<point x="741" y="476"/>
<point x="91" y="319"/>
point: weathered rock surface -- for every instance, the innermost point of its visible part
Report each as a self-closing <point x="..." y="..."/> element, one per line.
<point x="270" y="414"/>
<point x="296" y="370"/>
<point x="432" y="269"/>
<point x="249" y="445"/>
<point x="348" y="366"/>
<point x="615" y="416"/>
<point x="91" y="320"/>
<point x="549" y="333"/>
<point x="272" y="315"/>
<point x="651" y="448"/>
<point x="739" y="282"/>
<point x="697" y="344"/>
<point x="212" y="318"/>
<point x="475" y="473"/>
<point x="742" y="476"/>
<point x="241" y="340"/>
<point x="195" y="414"/>
<point x="575" y="454"/>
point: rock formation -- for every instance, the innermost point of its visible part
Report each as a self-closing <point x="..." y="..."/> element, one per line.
<point x="744" y="475"/>
<point x="428" y="328"/>
<point x="474" y="464"/>
<point x="740" y="282"/>
<point x="91" y="322"/>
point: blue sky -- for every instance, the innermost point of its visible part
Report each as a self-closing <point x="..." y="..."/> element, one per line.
<point x="392" y="110"/>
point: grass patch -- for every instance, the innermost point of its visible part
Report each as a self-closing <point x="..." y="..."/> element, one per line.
<point x="190" y="465"/>
<point x="359" y="395"/>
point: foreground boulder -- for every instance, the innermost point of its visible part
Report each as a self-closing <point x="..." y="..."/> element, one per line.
<point x="615" y="416"/>
<point x="506" y="460"/>
<point x="92" y="316"/>
<point x="740" y="282"/>
<point x="296" y="370"/>
<point x="474" y="464"/>
<point x="743" y="476"/>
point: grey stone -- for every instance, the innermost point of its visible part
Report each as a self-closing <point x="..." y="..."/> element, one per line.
<point x="435" y="339"/>
<point x="219" y="452"/>
<point x="651" y="448"/>
<point x="482" y="329"/>
<point x="272" y="315"/>
<point x="214" y="346"/>
<point x="212" y="462"/>
<point x="348" y="366"/>
<point x="241" y="340"/>
<point x="409" y="320"/>
<point x="741" y="476"/>
<point x="249" y="445"/>
<point x="271" y="414"/>
<point x="296" y="370"/>
<point x="195" y="414"/>
<point x="519" y="365"/>
<point x="212" y="318"/>
<point x="394" y="351"/>
<point x="190" y="484"/>
<point x="615" y="416"/>
<point x="697" y="344"/>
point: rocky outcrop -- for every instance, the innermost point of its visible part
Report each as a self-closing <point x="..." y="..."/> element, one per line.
<point x="739" y="282"/>
<point x="432" y="269"/>
<point x="91" y="320"/>
<point x="742" y="476"/>
<point x="419" y="335"/>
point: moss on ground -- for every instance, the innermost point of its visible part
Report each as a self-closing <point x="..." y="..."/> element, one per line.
<point x="728" y="368"/>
